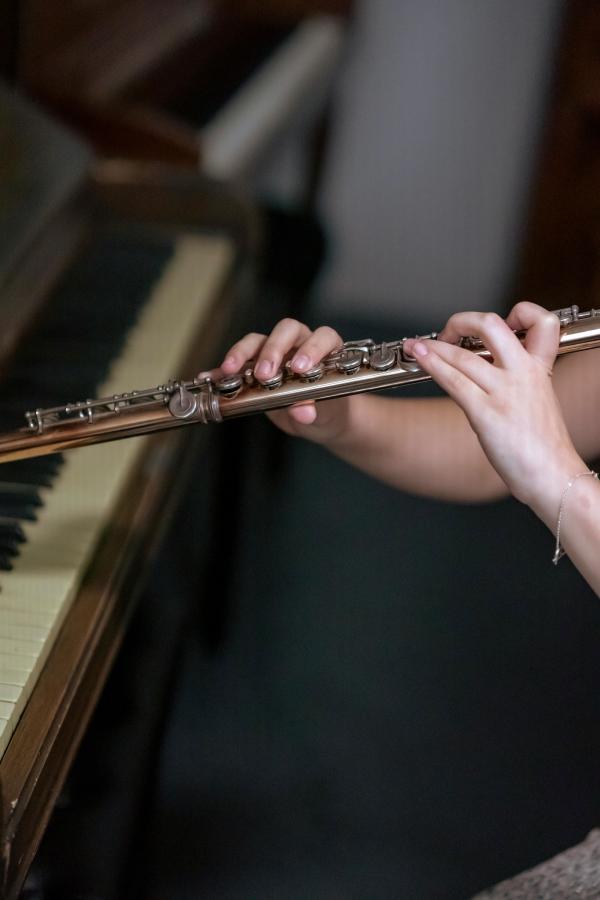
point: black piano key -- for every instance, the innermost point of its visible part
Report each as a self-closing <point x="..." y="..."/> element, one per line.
<point x="36" y="479"/>
<point x="12" y="528"/>
<point x="19" y="493"/>
<point x="26" y="512"/>
<point x="71" y="354"/>
<point x="66" y="358"/>
<point x="29" y="471"/>
<point x="55" y="390"/>
<point x="10" y="548"/>
<point x="19" y="501"/>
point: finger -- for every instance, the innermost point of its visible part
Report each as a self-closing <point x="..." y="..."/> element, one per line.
<point x="213" y="374"/>
<point x="457" y="385"/>
<point x="489" y="328"/>
<point x="286" y="335"/>
<point x="303" y="413"/>
<point x="321" y="342"/>
<point x="475" y="368"/>
<point x="542" y="327"/>
<point x="245" y="349"/>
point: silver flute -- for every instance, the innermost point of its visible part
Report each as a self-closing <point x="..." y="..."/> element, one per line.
<point x="357" y="367"/>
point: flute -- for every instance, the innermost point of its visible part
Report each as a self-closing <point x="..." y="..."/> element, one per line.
<point x="357" y="367"/>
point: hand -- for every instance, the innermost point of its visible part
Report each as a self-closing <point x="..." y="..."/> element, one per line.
<point x="510" y="404"/>
<point x="292" y="340"/>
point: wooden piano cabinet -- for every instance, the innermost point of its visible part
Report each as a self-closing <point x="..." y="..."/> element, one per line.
<point x="45" y="739"/>
<point x="153" y="82"/>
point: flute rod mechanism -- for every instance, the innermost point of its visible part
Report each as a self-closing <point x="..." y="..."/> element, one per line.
<point x="357" y="367"/>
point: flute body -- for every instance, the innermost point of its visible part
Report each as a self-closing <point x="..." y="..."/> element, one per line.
<point x="358" y="367"/>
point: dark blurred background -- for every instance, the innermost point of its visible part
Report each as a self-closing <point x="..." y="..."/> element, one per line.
<point x="366" y="695"/>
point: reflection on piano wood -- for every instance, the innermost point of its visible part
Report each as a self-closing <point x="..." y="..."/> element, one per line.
<point x="143" y="293"/>
<point x="205" y="83"/>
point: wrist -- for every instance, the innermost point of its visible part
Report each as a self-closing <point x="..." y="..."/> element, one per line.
<point x="547" y="495"/>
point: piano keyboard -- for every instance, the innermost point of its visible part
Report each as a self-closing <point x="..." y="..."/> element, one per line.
<point x="70" y="499"/>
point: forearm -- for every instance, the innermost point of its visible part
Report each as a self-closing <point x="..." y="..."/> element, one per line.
<point x="580" y="520"/>
<point x="424" y="446"/>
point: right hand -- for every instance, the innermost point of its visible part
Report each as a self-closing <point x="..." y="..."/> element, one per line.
<point x="292" y="341"/>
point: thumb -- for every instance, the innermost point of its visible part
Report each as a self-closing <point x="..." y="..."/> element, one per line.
<point x="294" y="419"/>
<point x="542" y="327"/>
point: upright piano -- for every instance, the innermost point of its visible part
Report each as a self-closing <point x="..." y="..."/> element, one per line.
<point x="104" y="287"/>
<point x="127" y="258"/>
<point x="213" y="84"/>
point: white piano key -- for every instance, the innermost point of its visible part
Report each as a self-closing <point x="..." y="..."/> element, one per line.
<point x="13" y="675"/>
<point x="14" y="648"/>
<point x="6" y="709"/>
<point x="60" y="544"/>
<point x="23" y="632"/>
<point x="10" y="692"/>
<point x="16" y="616"/>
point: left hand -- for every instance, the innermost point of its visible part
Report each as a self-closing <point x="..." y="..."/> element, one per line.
<point x="510" y="403"/>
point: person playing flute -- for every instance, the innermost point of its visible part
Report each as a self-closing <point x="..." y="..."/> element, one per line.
<point x="518" y="425"/>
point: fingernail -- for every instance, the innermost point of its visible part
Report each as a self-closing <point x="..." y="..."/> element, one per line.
<point x="264" y="368"/>
<point x="419" y="349"/>
<point x="301" y="363"/>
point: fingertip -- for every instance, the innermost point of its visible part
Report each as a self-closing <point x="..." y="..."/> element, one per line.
<point x="300" y="363"/>
<point x="264" y="369"/>
<point x="213" y="374"/>
<point x="230" y="363"/>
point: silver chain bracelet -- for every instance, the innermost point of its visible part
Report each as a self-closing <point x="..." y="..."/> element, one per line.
<point x="558" y="550"/>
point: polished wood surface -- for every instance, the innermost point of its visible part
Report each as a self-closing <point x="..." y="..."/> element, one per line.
<point x="214" y="231"/>
<point x="48" y="733"/>
<point x="128" y="76"/>
<point x="141" y="83"/>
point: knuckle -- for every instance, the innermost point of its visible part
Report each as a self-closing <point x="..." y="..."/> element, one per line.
<point x="326" y="331"/>
<point x="325" y="341"/>
<point x="238" y="347"/>
<point x="289" y="323"/>
<point x="453" y="378"/>
<point x="494" y="320"/>
<point x="270" y="348"/>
